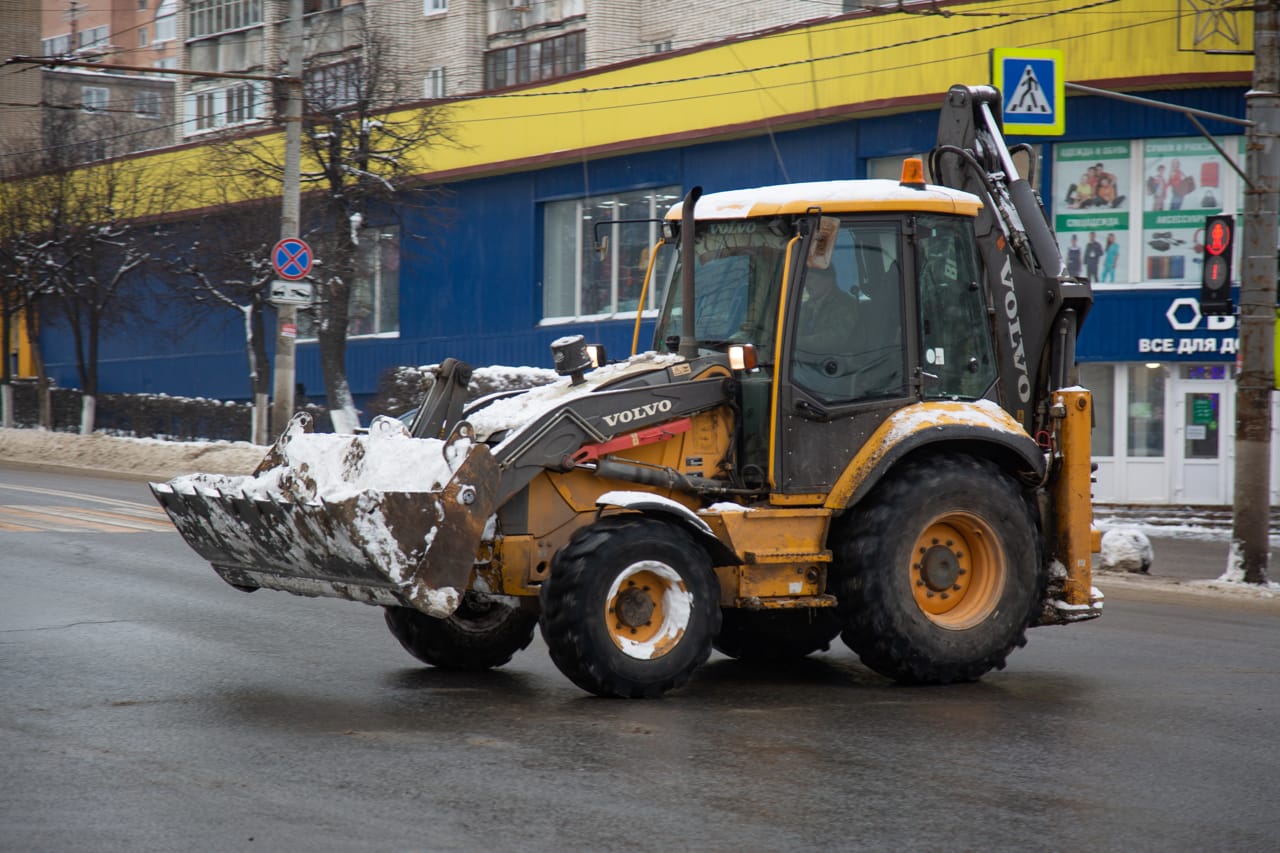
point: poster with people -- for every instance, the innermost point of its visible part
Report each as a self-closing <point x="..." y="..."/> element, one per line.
<point x="1182" y="182"/>
<point x="1091" y="209"/>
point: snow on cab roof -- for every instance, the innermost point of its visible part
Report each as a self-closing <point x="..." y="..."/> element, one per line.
<point x="832" y="197"/>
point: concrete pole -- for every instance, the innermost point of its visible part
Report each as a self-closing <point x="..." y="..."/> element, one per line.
<point x="1252" y="510"/>
<point x="287" y="324"/>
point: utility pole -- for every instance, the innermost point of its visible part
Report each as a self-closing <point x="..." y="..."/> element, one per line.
<point x="287" y="322"/>
<point x="1251" y="515"/>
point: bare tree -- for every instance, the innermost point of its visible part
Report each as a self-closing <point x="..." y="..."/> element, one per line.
<point x="20" y="286"/>
<point x="87" y="238"/>
<point x="224" y="263"/>
<point x="359" y="156"/>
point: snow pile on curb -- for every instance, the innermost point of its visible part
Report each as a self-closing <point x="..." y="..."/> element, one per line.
<point x="138" y="458"/>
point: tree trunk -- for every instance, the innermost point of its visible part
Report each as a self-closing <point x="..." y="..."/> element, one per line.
<point x="88" y="409"/>
<point x="332" y="336"/>
<point x="42" y="375"/>
<point x="6" y="373"/>
<point x="333" y="361"/>
<point x="89" y="402"/>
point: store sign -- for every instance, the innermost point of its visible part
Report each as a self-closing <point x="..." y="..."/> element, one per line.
<point x="1156" y="325"/>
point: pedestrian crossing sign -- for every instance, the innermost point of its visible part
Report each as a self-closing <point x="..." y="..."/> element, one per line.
<point x="1032" y="90"/>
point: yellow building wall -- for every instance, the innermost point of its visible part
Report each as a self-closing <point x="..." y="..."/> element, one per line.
<point x="866" y="64"/>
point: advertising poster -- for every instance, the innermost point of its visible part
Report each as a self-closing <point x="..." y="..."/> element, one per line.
<point x="1092" y="209"/>
<point x="1183" y="181"/>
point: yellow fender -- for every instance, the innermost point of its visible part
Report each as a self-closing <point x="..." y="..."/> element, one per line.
<point x="980" y="422"/>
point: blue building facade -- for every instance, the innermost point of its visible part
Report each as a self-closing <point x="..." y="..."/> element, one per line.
<point x="473" y="275"/>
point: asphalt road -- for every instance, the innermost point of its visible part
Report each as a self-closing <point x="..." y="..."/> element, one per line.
<point x="145" y="705"/>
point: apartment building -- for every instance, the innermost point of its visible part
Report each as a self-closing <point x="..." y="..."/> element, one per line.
<point x="112" y="32"/>
<point x="108" y="110"/>
<point x="438" y="48"/>
<point x="19" y="86"/>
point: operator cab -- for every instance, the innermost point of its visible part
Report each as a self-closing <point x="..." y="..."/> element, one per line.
<point x="878" y="288"/>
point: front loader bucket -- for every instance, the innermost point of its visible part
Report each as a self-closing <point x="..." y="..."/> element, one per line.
<point x="311" y="528"/>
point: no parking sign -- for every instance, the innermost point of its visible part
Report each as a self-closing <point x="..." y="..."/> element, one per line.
<point x="292" y="258"/>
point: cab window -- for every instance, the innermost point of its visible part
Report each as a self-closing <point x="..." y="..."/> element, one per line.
<point x="848" y="327"/>
<point x="956" y="352"/>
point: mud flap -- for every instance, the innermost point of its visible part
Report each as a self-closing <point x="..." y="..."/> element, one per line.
<point x="414" y="549"/>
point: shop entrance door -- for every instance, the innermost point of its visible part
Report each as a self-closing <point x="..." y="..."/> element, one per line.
<point x="1201" y="446"/>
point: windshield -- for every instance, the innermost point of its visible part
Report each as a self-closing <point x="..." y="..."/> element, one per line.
<point x="736" y="281"/>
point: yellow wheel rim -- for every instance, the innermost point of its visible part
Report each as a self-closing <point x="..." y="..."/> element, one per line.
<point x="647" y="610"/>
<point x="958" y="571"/>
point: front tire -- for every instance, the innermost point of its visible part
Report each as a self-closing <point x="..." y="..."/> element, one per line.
<point x="630" y="607"/>
<point x="942" y="571"/>
<point x="484" y="632"/>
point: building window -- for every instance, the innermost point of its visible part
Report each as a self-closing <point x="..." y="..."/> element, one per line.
<point x="1146" y="410"/>
<point x="662" y="46"/>
<point x="169" y="62"/>
<point x="207" y="17"/>
<point x="92" y="37"/>
<point x="332" y="86"/>
<point x="205" y="113"/>
<point x="209" y="109"/>
<point x="94" y="98"/>
<point x="576" y="280"/>
<point x="241" y="106"/>
<point x="166" y="20"/>
<point x="142" y="37"/>
<point x="147" y="104"/>
<point x="433" y="83"/>
<point x="434" y="7"/>
<point x="375" y="295"/>
<point x="56" y="46"/>
<point x="142" y="4"/>
<point x="535" y="60"/>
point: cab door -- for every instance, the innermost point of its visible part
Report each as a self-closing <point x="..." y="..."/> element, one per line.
<point x="843" y="361"/>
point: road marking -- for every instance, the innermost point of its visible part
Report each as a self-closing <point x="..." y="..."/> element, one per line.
<point x="113" y="516"/>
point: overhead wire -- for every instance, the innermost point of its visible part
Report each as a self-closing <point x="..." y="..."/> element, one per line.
<point x="751" y="72"/>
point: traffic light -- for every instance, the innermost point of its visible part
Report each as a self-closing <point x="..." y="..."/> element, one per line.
<point x="1215" y="287"/>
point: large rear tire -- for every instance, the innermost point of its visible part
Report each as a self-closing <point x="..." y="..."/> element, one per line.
<point x="484" y="632"/>
<point x="630" y="607"/>
<point x="776" y="635"/>
<point x="942" y="572"/>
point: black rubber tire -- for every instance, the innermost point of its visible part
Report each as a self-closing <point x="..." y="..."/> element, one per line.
<point x="776" y="635"/>
<point x="485" y="632"/>
<point x="585" y="641"/>
<point x="878" y="544"/>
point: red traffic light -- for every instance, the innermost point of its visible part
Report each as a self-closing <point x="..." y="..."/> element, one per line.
<point x="1217" y="238"/>
<point x="1215" y="286"/>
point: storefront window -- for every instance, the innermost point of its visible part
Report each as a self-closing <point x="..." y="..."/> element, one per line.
<point x="1098" y="379"/>
<point x="1146" y="410"/>
<point x="1173" y="183"/>
<point x="374" y="307"/>
<point x="1092" y="208"/>
<point x="1182" y="183"/>
<point x="580" y="281"/>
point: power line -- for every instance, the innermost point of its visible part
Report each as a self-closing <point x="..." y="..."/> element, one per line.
<point x="751" y="71"/>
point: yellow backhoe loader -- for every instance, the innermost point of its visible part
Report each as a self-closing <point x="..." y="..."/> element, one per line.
<point x="858" y="418"/>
